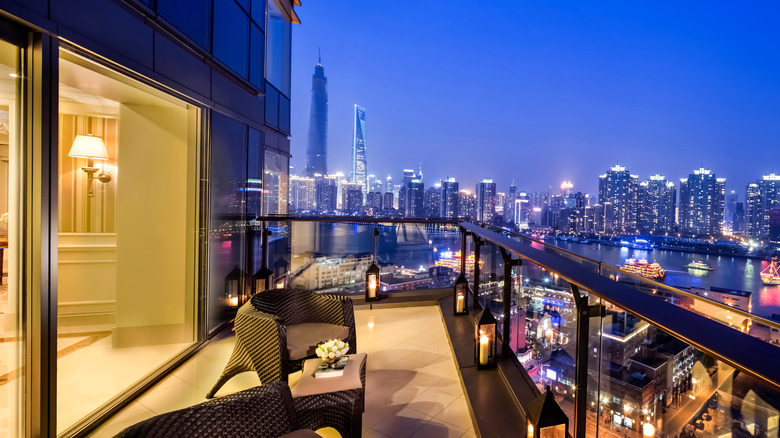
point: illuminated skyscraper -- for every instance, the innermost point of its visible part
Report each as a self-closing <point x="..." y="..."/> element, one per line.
<point x="702" y="199"/>
<point x="762" y="197"/>
<point x="359" y="163"/>
<point x="449" y="198"/>
<point x="619" y="188"/>
<point x="317" y="142"/>
<point x="657" y="205"/>
<point x="486" y="200"/>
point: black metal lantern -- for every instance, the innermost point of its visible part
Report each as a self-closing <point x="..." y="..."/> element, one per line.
<point x="546" y="418"/>
<point x="372" y="282"/>
<point x="485" y="338"/>
<point x="262" y="280"/>
<point x="233" y="295"/>
<point x="461" y="295"/>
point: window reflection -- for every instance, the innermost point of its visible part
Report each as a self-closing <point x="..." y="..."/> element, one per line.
<point x="11" y="292"/>
<point x="278" y="36"/>
<point x="126" y="244"/>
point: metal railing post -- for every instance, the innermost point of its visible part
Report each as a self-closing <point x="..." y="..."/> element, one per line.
<point x="477" y="243"/>
<point x="584" y="313"/>
<point x="463" y="235"/>
<point x="506" y="350"/>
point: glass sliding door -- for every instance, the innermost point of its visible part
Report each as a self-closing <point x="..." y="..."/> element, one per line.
<point x="11" y="217"/>
<point x="127" y="238"/>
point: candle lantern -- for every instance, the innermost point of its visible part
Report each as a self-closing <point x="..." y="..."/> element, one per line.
<point x="485" y="337"/>
<point x="545" y="417"/>
<point x="461" y="295"/>
<point x="233" y="295"/>
<point x="372" y="282"/>
<point x="262" y="280"/>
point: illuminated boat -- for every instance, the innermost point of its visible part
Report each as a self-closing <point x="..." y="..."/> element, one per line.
<point x="700" y="265"/>
<point x="770" y="274"/>
<point x="643" y="268"/>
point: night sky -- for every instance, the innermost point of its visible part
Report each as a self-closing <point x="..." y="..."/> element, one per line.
<point x="545" y="91"/>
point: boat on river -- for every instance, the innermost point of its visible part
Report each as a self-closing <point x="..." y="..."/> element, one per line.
<point x="771" y="274"/>
<point x="699" y="265"/>
<point x="641" y="267"/>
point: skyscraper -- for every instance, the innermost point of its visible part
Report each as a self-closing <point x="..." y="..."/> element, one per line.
<point x="619" y="188"/>
<point x="433" y="201"/>
<point x="657" y="205"/>
<point x="302" y="194"/>
<point x="762" y="197"/>
<point x="702" y="199"/>
<point x="486" y="200"/>
<point x="359" y="164"/>
<point x="449" y="198"/>
<point x="317" y="142"/>
<point x="415" y="198"/>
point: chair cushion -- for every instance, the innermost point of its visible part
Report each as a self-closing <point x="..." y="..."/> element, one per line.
<point x="301" y="433"/>
<point x="302" y="339"/>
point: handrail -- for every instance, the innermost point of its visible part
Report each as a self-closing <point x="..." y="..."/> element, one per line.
<point x="720" y="341"/>
<point x="359" y="219"/>
<point x="757" y="318"/>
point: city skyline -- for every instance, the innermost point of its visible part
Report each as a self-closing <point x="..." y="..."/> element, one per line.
<point x="679" y="101"/>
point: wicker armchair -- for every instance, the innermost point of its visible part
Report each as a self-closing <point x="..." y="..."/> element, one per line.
<point x="265" y="411"/>
<point x="268" y="332"/>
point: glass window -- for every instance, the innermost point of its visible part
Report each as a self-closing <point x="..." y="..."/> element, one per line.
<point x="231" y="36"/>
<point x="258" y="12"/>
<point x="11" y="292"/>
<point x="284" y="114"/>
<point x="275" y="183"/>
<point x="256" y="56"/>
<point x="128" y="197"/>
<point x="228" y="177"/>
<point x="278" y="36"/>
<point x="271" y="106"/>
<point x="189" y="16"/>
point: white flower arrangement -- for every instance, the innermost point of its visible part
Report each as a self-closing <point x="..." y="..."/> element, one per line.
<point x="332" y="350"/>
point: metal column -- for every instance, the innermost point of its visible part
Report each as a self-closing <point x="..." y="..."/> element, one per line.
<point x="508" y="265"/>
<point x="584" y="313"/>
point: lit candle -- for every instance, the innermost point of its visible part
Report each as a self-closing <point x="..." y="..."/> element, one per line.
<point x="372" y="287"/>
<point x="459" y="304"/>
<point x="233" y="301"/>
<point x="484" y="347"/>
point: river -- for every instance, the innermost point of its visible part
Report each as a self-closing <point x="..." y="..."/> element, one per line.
<point x="418" y="246"/>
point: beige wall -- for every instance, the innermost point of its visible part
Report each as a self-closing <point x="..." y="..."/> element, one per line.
<point x="153" y="261"/>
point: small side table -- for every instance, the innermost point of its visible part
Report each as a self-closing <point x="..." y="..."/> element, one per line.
<point x="338" y="402"/>
<point x="354" y="378"/>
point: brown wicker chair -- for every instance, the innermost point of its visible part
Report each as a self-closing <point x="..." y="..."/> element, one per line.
<point x="262" y="324"/>
<point x="264" y="411"/>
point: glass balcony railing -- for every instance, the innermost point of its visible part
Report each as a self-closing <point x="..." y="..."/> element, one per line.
<point x="621" y="356"/>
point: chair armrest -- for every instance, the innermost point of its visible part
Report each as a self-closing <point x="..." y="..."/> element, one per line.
<point x="264" y="338"/>
<point x="341" y="410"/>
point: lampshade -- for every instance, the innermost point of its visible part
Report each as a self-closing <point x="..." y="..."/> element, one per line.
<point x="88" y="146"/>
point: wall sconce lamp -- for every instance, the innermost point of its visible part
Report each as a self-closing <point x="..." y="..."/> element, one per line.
<point x="92" y="148"/>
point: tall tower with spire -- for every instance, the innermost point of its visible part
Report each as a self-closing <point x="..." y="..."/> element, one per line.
<point x="317" y="142"/>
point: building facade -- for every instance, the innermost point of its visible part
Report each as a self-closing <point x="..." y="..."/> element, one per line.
<point x="449" y="198"/>
<point x="486" y="200"/>
<point x="762" y="197"/>
<point x="620" y="189"/>
<point x="187" y="109"/>
<point x="702" y="201"/>
<point x="359" y="172"/>
<point x="657" y="205"/>
<point x="317" y="140"/>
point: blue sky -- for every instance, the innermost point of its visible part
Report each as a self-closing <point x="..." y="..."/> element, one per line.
<point x="542" y="91"/>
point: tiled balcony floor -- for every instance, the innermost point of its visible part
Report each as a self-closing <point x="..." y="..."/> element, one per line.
<point x="412" y="384"/>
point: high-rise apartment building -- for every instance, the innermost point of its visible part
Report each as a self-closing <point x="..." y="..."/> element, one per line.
<point x="403" y="198"/>
<point x="619" y="188"/>
<point x="762" y="197"/>
<point x="486" y="200"/>
<point x="449" y="198"/>
<point x="352" y="195"/>
<point x="317" y="141"/>
<point x="657" y="205"/>
<point x="415" y="198"/>
<point x="702" y="201"/>
<point x="302" y="194"/>
<point x="374" y="200"/>
<point x="359" y="161"/>
<point x="467" y="205"/>
<point x="326" y="193"/>
<point x="433" y="201"/>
